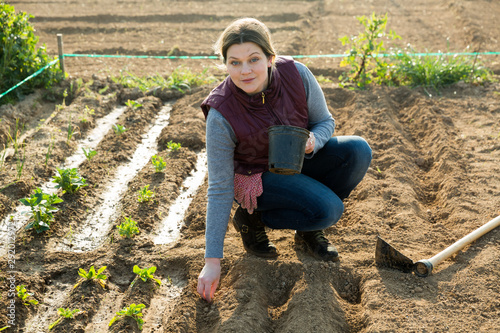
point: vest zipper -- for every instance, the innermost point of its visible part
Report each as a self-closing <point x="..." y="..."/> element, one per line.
<point x="263" y="98"/>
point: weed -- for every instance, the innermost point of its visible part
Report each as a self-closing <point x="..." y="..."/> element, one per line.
<point x="181" y="79"/>
<point x="173" y="146"/>
<point x="433" y="71"/>
<point x="133" y="104"/>
<point x="364" y="50"/>
<point x="41" y="209"/>
<point x="128" y="228"/>
<point x="63" y="313"/>
<point x="89" y="153"/>
<point x="133" y="311"/>
<point x="119" y="129"/>
<point x="158" y="163"/>
<point x="145" y="194"/>
<point x="69" y="180"/>
<point x="24" y="295"/>
<point x="92" y="275"/>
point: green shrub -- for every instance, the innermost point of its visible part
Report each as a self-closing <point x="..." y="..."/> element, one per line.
<point x="19" y="56"/>
<point x="433" y="71"/>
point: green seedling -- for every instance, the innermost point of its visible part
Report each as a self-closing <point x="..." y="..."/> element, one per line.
<point x="20" y="160"/>
<point x="89" y="153"/>
<point x="119" y="129"/>
<point x="103" y="90"/>
<point x="158" y="163"/>
<point x="87" y="112"/>
<point x="14" y="138"/>
<point x="49" y="149"/>
<point x="145" y="274"/>
<point x="63" y="313"/>
<point x="41" y="209"/>
<point x="128" y="228"/>
<point x="69" y="180"/>
<point x="133" y="311"/>
<point x="24" y="295"/>
<point x="91" y="275"/>
<point x="145" y="194"/>
<point x="133" y="104"/>
<point x="173" y="146"/>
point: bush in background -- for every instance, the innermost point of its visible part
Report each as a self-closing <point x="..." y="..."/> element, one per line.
<point x="19" y="56"/>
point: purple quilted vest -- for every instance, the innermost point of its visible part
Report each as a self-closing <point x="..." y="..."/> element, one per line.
<point x="282" y="103"/>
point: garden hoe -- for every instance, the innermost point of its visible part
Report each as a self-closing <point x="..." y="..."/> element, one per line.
<point x="388" y="256"/>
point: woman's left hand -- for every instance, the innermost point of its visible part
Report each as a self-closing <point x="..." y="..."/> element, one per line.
<point x="311" y="142"/>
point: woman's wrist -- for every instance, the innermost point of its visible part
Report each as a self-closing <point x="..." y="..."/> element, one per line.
<point x="213" y="261"/>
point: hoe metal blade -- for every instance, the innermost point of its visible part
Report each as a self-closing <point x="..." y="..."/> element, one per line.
<point x="386" y="255"/>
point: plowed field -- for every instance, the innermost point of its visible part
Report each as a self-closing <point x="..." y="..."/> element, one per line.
<point x="435" y="177"/>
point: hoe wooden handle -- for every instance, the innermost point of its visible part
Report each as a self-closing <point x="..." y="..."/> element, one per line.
<point x="424" y="267"/>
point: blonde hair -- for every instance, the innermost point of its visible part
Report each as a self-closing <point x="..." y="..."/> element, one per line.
<point x="242" y="31"/>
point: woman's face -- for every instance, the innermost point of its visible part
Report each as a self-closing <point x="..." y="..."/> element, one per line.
<point x="247" y="66"/>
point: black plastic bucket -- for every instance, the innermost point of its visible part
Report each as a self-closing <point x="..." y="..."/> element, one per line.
<point x="287" y="146"/>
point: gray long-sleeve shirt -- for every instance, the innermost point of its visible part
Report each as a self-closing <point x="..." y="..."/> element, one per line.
<point x="221" y="142"/>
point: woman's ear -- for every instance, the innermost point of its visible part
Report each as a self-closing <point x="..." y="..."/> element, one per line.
<point x="270" y="60"/>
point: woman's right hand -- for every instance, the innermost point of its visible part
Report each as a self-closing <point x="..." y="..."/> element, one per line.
<point x="208" y="280"/>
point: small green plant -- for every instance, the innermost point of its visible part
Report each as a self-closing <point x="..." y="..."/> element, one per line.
<point x="145" y="274"/>
<point x="173" y="146"/>
<point x="323" y="79"/>
<point x="364" y="50"/>
<point x="89" y="153"/>
<point x="103" y="90"/>
<point x="69" y="180"/>
<point x="128" y="228"/>
<point x="158" y="163"/>
<point x="133" y="104"/>
<point x="70" y="131"/>
<point x="20" y="160"/>
<point x="92" y="275"/>
<point x="119" y="129"/>
<point x="145" y="194"/>
<point x="133" y="311"/>
<point x="63" y="313"/>
<point x="49" y="149"/>
<point x="87" y="112"/>
<point x="41" y="209"/>
<point x="23" y="294"/>
<point x="14" y="137"/>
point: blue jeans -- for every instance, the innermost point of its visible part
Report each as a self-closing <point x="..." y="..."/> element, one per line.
<point x="312" y="200"/>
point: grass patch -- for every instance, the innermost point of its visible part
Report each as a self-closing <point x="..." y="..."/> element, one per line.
<point x="181" y="79"/>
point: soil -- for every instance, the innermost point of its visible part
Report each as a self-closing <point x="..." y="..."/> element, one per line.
<point x="435" y="177"/>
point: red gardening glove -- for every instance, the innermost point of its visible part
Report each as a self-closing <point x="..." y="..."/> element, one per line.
<point x="247" y="189"/>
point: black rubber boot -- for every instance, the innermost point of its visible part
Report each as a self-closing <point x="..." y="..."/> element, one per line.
<point x="316" y="244"/>
<point x="253" y="234"/>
